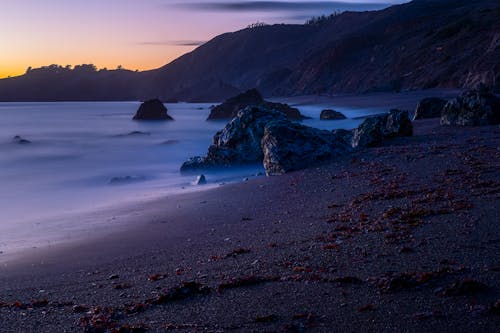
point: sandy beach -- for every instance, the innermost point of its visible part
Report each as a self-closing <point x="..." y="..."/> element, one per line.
<point x="401" y="238"/>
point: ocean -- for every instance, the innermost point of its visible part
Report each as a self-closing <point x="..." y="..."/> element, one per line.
<point x="91" y="156"/>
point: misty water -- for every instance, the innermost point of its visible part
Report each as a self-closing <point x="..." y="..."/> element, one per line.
<point x="87" y="157"/>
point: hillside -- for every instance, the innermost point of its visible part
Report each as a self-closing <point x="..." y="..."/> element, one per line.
<point x="418" y="45"/>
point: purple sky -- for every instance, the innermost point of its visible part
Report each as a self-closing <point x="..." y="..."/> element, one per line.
<point x="137" y="34"/>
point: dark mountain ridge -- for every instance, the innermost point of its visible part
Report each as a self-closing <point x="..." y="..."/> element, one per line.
<point x="418" y="45"/>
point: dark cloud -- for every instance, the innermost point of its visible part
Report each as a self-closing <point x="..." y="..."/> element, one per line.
<point x="175" y="42"/>
<point x="272" y="6"/>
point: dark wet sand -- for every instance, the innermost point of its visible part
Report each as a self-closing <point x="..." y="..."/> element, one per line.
<point x="371" y="242"/>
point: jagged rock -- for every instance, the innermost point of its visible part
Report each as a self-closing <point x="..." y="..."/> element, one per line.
<point x="344" y="135"/>
<point x="429" y="108"/>
<point x="397" y="123"/>
<point x="290" y="112"/>
<point x="20" y="140"/>
<point x="194" y="163"/>
<point x="476" y="107"/>
<point x="289" y="146"/>
<point x="201" y="180"/>
<point x="369" y="133"/>
<point x="259" y="134"/>
<point x="152" y="110"/>
<point x="331" y="115"/>
<point x="374" y="129"/>
<point x="239" y="141"/>
<point x="229" y="109"/>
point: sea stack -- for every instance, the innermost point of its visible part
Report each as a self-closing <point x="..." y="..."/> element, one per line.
<point x="329" y="114"/>
<point x="152" y="109"/>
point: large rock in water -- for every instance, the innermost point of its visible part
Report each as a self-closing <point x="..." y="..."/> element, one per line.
<point x="429" y="108"/>
<point x="290" y="146"/>
<point x="476" y="107"/>
<point x="239" y="141"/>
<point x="229" y="109"/>
<point x="152" y="109"/>
<point x="331" y="115"/>
<point x="258" y="134"/>
<point x="373" y="130"/>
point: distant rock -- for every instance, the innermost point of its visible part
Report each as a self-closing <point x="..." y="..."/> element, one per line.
<point x="429" y="108"/>
<point x="252" y="97"/>
<point x="20" y="140"/>
<point x="152" y="110"/>
<point x="170" y="142"/>
<point x="125" y="180"/>
<point x="476" y="107"/>
<point x="289" y="146"/>
<point x="374" y="129"/>
<point x="290" y="112"/>
<point x="230" y="107"/>
<point x="329" y="114"/>
<point x="200" y="180"/>
<point x="238" y="142"/>
<point x="133" y="133"/>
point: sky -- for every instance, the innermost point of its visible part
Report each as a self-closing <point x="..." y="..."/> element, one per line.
<point x="136" y="34"/>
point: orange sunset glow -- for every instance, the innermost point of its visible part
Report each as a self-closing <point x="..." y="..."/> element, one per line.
<point x="137" y="35"/>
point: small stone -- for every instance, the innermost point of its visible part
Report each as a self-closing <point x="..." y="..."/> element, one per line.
<point x="201" y="180"/>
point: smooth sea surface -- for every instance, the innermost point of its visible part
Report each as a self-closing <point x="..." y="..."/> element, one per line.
<point x="84" y="157"/>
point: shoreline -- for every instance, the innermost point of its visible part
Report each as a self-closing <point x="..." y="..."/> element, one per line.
<point x="318" y="251"/>
<point x="113" y="216"/>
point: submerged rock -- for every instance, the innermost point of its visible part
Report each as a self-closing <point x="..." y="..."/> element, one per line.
<point x="429" y="108"/>
<point x="476" y="107"/>
<point x="133" y="133"/>
<point x="331" y="115"/>
<point x="126" y="180"/>
<point x="20" y="140"/>
<point x="229" y="109"/>
<point x="152" y="110"/>
<point x="290" y="146"/>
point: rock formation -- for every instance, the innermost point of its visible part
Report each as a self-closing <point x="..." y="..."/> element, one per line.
<point x="290" y="146"/>
<point x="429" y="108"/>
<point x="258" y="134"/>
<point x="152" y="109"/>
<point x="331" y="115"/>
<point x="374" y="129"/>
<point x="229" y="109"/>
<point x="238" y="142"/>
<point x="475" y="107"/>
